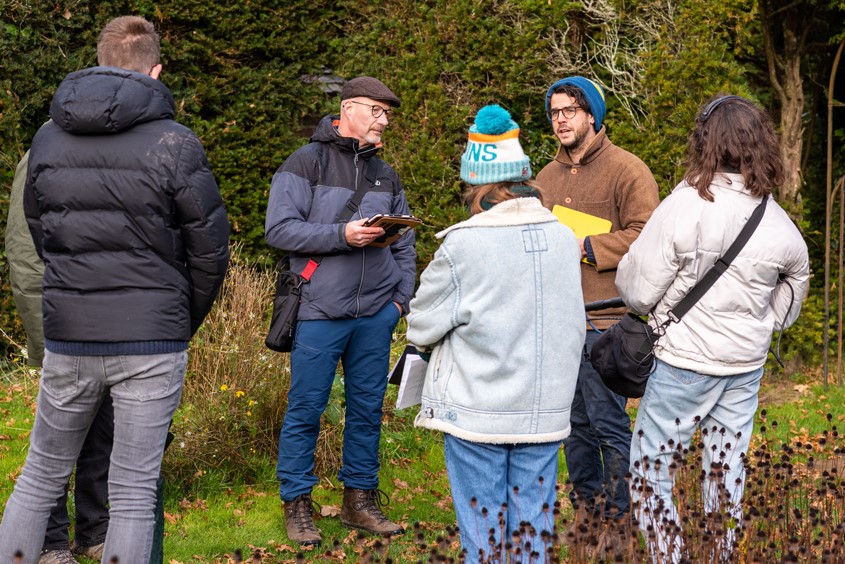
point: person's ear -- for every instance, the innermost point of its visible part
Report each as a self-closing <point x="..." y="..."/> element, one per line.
<point x="155" y="71"/>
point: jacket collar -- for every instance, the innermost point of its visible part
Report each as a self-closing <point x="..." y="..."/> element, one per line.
<point x="519" y="211"/>
<point x="599" y="143"/>
<point x="730" y="181"/>
<point x="326" y="132"/>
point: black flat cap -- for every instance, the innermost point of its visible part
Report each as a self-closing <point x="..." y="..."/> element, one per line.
<point x="368" y="87"/>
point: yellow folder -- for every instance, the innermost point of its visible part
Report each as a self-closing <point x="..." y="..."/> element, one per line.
<point x="583" y="224"/>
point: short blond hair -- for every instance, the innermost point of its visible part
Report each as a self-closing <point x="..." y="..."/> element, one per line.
<point x="130" y="43"/>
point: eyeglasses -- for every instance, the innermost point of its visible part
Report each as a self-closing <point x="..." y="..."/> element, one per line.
<point x="568" y="112"/>
<point x="376" y="109"/>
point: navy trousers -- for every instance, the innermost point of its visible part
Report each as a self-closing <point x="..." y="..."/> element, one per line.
<point x="598" y="450"/>
<point x="362" y="345"/>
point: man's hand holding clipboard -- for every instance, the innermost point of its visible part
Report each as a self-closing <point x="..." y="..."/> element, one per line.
<point x="394" y="227"/>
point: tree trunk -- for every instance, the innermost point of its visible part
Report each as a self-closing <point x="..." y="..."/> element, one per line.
<point x="791" y="126"/>
<point x="784" y="36"/>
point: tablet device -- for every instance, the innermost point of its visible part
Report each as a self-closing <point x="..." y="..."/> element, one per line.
<point x="394" y="227"/>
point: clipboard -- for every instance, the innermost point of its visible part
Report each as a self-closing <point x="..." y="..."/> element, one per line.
<point x="583" y="224"/>
<point x="394" y="227"/>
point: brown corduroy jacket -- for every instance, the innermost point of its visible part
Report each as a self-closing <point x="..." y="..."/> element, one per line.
<point x="611" y="183"/>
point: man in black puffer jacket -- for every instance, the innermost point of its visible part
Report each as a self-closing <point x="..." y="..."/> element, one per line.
<point x="128" y="219"/>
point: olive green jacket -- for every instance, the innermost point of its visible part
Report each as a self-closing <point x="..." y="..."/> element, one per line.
<point x="25" y="268"/>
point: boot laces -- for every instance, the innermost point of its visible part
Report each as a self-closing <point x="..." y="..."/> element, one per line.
<point x="303" y="507"/>
<point x="373" y="503"/>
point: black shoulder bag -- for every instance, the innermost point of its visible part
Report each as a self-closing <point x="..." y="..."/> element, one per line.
<point x="624" y="353"/>
<point x="289" y="284"/>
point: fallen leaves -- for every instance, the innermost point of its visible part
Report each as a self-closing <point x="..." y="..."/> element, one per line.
<point x="329" y="510"/>
<point x="802" y="389"/>
<point x="196" y="505"/>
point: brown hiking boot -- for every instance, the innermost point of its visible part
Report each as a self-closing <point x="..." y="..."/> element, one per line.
<point x="362" y="510"/>
<point x="299" y="522"/>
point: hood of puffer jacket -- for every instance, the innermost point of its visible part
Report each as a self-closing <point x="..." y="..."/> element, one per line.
<point x="103" y="100"/>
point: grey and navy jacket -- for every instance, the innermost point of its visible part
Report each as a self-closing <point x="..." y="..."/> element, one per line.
<point x="307" y="195"/>
<point x="126" y="214"/>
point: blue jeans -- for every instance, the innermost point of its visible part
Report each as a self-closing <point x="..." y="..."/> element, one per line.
<point x="598" y="448"/>
<point x="675" y="403"/>
<point x="363" y="346"/>
<point x="484" y="477"/>
<point x="145" y="391"/>
<point x="91" y="490"/>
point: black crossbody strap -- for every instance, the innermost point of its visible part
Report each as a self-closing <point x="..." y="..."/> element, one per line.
<point x="355" y="201"/>
<point x="347" y="212"/>
<point x="682" y="307"/>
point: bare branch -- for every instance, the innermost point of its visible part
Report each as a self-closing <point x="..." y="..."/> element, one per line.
<point x="616" y="48"/>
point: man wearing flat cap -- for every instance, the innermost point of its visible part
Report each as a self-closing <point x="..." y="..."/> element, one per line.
<point x="592" y="175"/>
<point x="349" y="307"/>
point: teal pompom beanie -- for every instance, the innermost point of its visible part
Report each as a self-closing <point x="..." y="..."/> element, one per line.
<point x="493" y="153"/>
<point x="592" y="92"/>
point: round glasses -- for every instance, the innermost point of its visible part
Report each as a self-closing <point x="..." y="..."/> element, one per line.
<point x="376" y="110"/>
<point x="568" y="112"/>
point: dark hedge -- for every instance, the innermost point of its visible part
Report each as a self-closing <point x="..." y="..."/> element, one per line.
<point x="236" y="71"/>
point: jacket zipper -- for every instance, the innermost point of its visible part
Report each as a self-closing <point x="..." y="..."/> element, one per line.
<point x="363" y="251"/>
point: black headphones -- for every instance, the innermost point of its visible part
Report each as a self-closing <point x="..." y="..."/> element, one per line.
<point x="708" y="111"/>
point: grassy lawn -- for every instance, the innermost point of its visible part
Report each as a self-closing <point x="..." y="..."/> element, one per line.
<point x="213" y="518"/>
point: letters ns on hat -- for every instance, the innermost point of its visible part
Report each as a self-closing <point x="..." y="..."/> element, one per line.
<point x="369" y="87"/>
<point x="493" y="153"/>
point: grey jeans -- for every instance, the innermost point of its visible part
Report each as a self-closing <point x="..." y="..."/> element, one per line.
<point x="145" y="391"/>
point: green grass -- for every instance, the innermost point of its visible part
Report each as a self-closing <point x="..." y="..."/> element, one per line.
<point x="413" y="473"/>
<point x="17" y="405"/>
<point x="214" y="517"/>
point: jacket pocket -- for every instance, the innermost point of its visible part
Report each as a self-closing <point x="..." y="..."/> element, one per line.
<point x="601" y="208"/>
<point x="443" y="364"/>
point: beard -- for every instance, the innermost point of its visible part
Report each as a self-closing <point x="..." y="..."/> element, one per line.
<point x="576" y="136"/>
<point x="373" y="137"/>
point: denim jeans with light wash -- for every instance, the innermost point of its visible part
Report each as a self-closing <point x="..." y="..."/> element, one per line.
<point x="145" y="391"/>
<point x="675" y="403"/>
<point x="598" y="448"/>
<point x="363" y="346"/>
<point x="484" y="477"/>
<point x="91" y="488"/>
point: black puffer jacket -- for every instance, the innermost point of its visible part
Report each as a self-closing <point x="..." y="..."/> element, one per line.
<point x="125" y="212"/>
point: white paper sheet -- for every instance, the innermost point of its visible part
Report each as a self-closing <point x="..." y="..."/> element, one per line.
<point x="409" y="373"/>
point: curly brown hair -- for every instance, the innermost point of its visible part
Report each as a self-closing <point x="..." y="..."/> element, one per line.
<point x="733" y="135"/>
<point x="496" y="193"/>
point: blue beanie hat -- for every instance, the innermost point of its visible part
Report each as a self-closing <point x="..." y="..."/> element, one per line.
<point x="493" y="153"/>
<point x="592" y="92"/>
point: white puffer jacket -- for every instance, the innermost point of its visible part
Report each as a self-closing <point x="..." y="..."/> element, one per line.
<point x="728" y="331"/>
